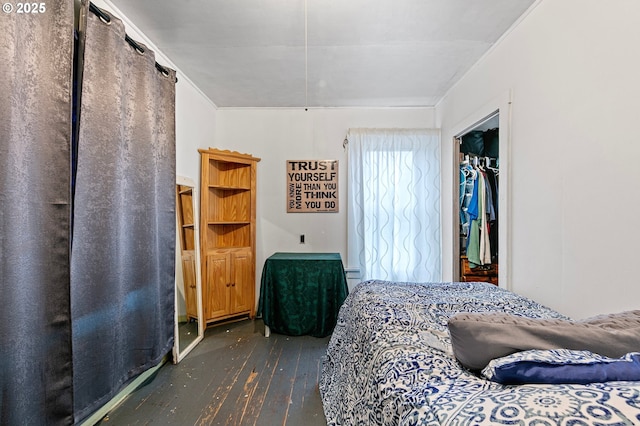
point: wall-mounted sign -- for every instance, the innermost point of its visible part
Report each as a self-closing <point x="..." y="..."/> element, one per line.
<point x="312" y="186"/>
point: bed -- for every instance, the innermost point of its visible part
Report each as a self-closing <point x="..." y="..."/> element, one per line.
<point x="390" y="361"/>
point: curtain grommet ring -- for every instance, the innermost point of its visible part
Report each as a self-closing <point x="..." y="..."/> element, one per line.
<point x="163" y="70"/>
<point x="104" y="16"/>
<point x="134" y="44"/>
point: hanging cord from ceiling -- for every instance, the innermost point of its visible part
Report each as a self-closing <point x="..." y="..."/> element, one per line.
<point x="106" y="18"/>
<point x="306" y="59"/>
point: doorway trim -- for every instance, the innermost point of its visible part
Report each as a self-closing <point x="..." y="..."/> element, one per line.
<point x="502" y="107"/>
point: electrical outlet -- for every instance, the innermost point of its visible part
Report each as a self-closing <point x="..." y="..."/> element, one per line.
<point x="301" y="238"/>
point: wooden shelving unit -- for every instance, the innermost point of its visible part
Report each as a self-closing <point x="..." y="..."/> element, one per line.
<point x="186" y="226"/>
<point x="228" y="233"/>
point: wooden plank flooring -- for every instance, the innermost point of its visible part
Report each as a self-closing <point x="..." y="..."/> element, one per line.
<point x="234" y="377"/>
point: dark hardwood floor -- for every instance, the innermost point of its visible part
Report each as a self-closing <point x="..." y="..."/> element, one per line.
<point x="235" y="376"/>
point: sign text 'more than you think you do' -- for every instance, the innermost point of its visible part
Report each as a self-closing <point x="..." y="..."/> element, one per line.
<point x="312" y="186"/>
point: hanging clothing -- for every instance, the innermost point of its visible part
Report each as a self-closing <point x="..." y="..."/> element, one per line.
<point x="467" y="182"/>
<point x="473" y="245"/>
<point x="492" y="178"/>
<point x="478" y="214"/>
<point x="485" y="249"/>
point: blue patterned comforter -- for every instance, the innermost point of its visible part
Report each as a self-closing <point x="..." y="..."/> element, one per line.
<point x="389" y="362"/>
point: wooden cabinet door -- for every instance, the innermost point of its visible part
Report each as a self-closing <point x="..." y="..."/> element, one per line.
<point x="229" y="284"/>
<point x="242" y="282"/>
<point x="218" y="283"/>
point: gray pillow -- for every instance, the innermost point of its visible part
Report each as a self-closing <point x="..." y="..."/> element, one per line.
<point x="477" y="338"/>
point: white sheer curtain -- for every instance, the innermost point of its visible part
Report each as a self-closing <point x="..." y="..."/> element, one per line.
<point x="394" y="204"/>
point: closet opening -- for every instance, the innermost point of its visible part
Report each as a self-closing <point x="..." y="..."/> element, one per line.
<point x="477" y="154"/>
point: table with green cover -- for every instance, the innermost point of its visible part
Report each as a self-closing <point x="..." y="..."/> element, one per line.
<point x="301" y="293"/>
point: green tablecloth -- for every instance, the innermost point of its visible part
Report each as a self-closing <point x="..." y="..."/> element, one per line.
<point x="301" y="293"/>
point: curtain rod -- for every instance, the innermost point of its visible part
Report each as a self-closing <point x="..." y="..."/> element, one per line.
<point x="106" y="18"/>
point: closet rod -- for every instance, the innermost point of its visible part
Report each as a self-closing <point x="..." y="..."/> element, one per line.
<point x="471" y="155"/>
<point x="106" y="18"/>
<point x="468" y="158"/>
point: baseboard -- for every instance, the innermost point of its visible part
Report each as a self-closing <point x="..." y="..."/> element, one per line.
<point x="96" y="417"/>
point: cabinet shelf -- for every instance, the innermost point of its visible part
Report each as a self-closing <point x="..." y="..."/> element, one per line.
<point x="229" y="205"/>
<point x="214" y="250"/>
<point x="229" y="234"/>
<point x="230" y="188"/>
<point x="184" y="209"/>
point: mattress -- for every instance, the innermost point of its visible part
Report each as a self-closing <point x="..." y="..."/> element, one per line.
<point x="390" y="362"/>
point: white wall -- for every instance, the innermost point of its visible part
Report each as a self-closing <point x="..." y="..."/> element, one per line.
<point x="572" y="68"/>
<point x="196" y="118"/>
<point x="278" y="135"/>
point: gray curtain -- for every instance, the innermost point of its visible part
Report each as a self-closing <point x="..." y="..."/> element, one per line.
<point x="122" y="257"/>
<point x="36" y="52"/>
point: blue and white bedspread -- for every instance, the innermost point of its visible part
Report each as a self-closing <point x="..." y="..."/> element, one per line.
<point x="389" y="362"/>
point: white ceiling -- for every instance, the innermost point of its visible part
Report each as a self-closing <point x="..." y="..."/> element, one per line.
<point x="378" y="53"/>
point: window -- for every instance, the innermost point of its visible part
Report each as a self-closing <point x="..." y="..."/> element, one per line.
<point x="394" y="204"/>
